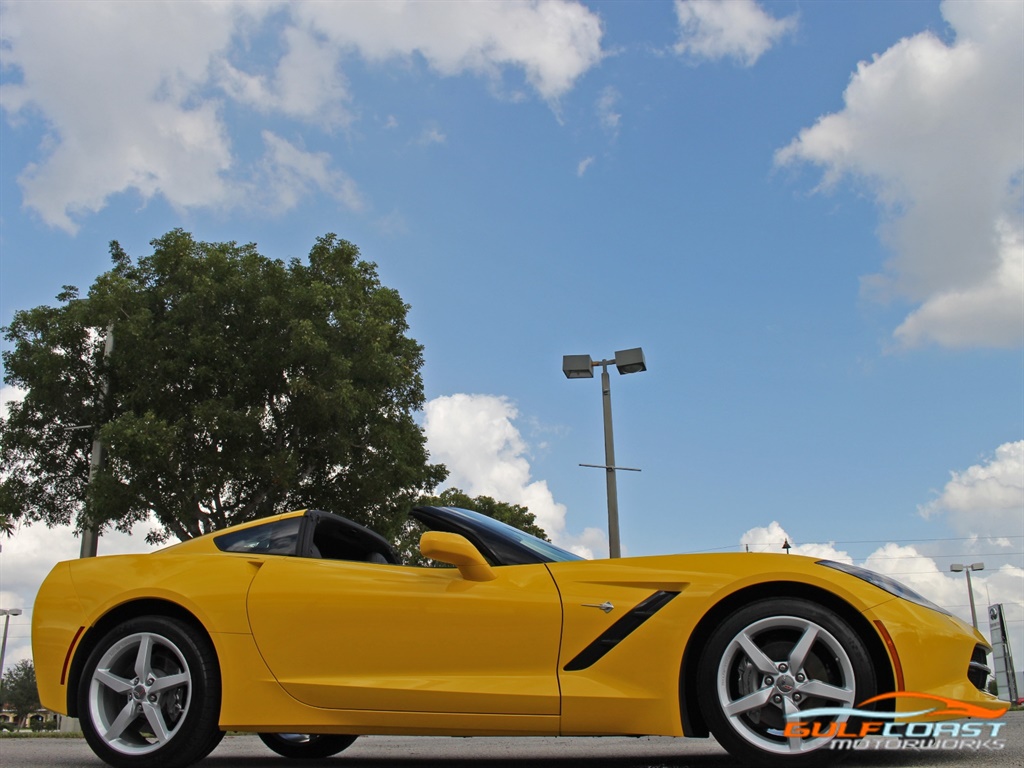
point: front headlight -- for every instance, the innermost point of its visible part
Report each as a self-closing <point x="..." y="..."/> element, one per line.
<point x="891" y="586"/>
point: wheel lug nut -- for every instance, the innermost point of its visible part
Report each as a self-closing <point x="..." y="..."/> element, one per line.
<point x="152" y="697"/>
<point x="783" y="667"/>
<point x="777" y="699"/>
<point x="797" y="697"/>
<point x="800" y="678"/>
<point x="768" y="681"/>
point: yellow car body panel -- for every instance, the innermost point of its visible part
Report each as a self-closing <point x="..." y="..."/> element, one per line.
<point x="327" y="646"/>
<point x="636" y="691"/>
<point x="79" y="593"/>
<point x="924" y="639"/>
<point x="409" y="639"/>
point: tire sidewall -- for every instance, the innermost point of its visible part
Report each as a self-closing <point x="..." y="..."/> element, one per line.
<point x="198" y="733"/>
<point x="865" y="680"/>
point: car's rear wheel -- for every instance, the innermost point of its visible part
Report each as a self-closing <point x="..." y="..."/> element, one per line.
<point x="307" y="745"/>
<point x="769" y="662"/>
<point x="150" y="695"/>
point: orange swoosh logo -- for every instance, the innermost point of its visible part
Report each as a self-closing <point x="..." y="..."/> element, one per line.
<point x="946" y="707"/>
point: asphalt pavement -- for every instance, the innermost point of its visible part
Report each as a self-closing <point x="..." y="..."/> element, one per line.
<point x="247" y="751"/>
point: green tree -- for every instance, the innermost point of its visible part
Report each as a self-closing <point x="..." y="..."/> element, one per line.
<point x="19" y="689"/>
<point x="238" y="386"/>
<point x="511" y="514"/>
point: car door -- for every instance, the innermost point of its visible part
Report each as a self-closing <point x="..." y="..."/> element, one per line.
<point x="352" y="635"/>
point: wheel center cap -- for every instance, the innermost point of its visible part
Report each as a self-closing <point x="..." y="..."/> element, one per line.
<point x="785" y="684"/>
<point x="139" y="691"/>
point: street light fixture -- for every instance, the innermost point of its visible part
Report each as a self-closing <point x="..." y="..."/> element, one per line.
<point x="956" y="568"/>
<point x="6" y="613"/>
<point x="582" y="367"/>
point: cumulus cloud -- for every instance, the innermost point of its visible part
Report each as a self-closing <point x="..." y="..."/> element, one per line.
<point x="475" y="437"/>
<point x="553" y="41"/>
<point x="134" y="96"/>
<point x="771" y="538"/>
<point x="933" y="129"/>
<point x="584" y="165"/>
<point x="307" y="84"/>
<point x="114" y="84"/>
<point x="735" y="29"/>
<point x="987" y="499"/>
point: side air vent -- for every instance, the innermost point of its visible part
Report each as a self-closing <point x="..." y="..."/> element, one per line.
<point x="619" y="631"/>
<point x="978" y="670"/>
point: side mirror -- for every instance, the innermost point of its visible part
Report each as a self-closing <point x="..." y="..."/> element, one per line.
<point x="456" y="550"/>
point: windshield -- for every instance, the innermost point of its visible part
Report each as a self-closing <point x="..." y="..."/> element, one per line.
<point x="495" y="529"/>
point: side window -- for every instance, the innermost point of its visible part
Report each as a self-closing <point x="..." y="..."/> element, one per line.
<point x="277" y="538"/>
<point x="334" y="540"/>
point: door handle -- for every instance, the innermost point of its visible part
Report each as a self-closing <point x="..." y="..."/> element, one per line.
<point x="606" y="606"/>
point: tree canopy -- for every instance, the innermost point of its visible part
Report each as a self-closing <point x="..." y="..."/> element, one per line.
<point x="238" y="386"/>
<point x="19" y="689"/>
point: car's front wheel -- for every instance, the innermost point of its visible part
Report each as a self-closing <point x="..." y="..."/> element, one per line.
<point x="770" y="662"/>
<point x="149" y="695"/>
<point x="307" y="745"/>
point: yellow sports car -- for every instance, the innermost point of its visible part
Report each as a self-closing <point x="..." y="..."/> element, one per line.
<point x="306" y="629"/>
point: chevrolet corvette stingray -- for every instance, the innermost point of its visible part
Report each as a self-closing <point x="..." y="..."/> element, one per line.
<point x="307" y="629"/>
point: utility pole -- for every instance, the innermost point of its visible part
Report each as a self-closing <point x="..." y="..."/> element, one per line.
<point x="90" y="536"/>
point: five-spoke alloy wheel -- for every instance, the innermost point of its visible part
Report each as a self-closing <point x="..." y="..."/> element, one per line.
<point x="769" y="662"/>
<point x="150" y="695"/>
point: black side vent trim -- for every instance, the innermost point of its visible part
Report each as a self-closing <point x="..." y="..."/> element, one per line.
<point x="619" y="631"/>
<point x="978" y="670"/>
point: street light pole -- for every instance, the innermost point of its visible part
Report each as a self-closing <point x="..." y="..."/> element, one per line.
<point x="6" y="613"/>
<point x="582" y="367"/>
<point x="90" y="535"/>
<point x="956" y="568"/>
<point x="609" y="464"/>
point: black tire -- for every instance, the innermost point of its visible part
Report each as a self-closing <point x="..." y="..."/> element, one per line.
<point x="149" y="696"/>
<point x="307" y="745"/>
<point x="771" y="659"/>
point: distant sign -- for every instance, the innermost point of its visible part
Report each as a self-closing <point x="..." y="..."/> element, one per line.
<point x="1006" y="677"/>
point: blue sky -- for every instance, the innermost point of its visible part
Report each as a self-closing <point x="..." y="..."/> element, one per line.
<point x="808" y="214"/>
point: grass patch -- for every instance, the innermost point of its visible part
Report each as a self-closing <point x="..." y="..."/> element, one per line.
<point x="40" y="735"/>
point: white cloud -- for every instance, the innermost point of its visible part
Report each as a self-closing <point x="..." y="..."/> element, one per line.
<point x="934" y="130"/>
<point x="474" y="436"/>
<point x="553" y="41"/>
<point x="288" y="174"/>
<point x="308" y="83"/>
<point x="132" y="95"/>
<point x="432" y="135"/>
<point x="987" y="499"/>
<point x="736" y="29"/>
<point x="8" y="395"/>
<point x="772" y="537"/>
<point x="115" y="84"/>
<point x="584" y="165"/>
